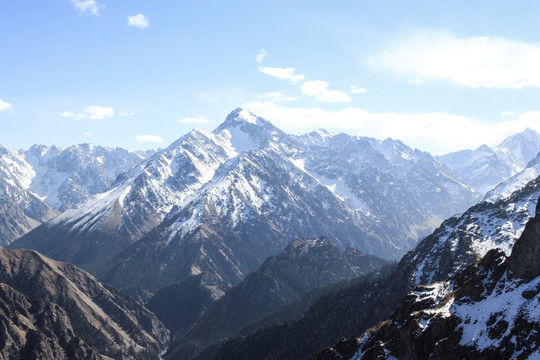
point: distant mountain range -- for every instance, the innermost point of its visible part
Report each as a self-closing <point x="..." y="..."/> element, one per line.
<point x="485" y="167"/>
<point x="222" y="202"/>
<point x="43" y="181"/>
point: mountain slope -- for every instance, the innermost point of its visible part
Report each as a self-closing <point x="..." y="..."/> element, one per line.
<point x="61" y="295"/>
<point x="486" y="167"/>
<point x="458" y="242"/>
<point x="506" y="188"/>
<point x="281" y="279"/>
<point x="490" y="310"/>
<point x="20" y="212"/>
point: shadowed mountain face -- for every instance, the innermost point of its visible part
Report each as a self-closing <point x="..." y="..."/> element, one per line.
<point x="75" y="316"/>
<point x="488" y="311"/>
<point x="281" y="279"/>
<point x="222" y="202"/>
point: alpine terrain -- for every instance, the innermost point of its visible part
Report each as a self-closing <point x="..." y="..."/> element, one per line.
<point x="220" y="203"/>
<point x="489" y="310"/>
<point x="486" y="167"/>
<point x="459" y="242"/>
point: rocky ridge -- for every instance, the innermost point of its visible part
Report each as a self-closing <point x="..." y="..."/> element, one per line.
<point x="489" y="310"/>
<point x="53" y="309"/>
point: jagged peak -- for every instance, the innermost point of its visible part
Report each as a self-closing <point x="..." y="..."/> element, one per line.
<point x="528" y="134"/>
<point x="241" y="117"/>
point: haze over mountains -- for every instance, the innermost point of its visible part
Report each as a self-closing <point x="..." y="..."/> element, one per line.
<point x="218" y="232"/>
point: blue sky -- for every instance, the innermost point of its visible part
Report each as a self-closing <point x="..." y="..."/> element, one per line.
<point x="441" y="76"/>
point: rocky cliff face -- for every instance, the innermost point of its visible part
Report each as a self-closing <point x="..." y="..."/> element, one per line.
<point x="65" y="307"/>
<point x="488" y="311"/>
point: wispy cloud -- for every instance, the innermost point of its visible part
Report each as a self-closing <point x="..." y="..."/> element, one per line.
<point x="139" y="21"/>
<point x="319" y="90"/>
<point x="282" y="73"/>
<point x="278" y="96"/>
<point x="4" y="105"/>
<point x="90" y="6"/>
<point x="193" y="120"/>
<point x="88" y="134"/>
<point x="261" y="55"/>
<point x="436" y="132"/>
<point x="125" y="114"/>
<point x="149" y="138"/>
<point x="91" y="112"/>
<point x="482" y="61"/>
<point x="357" y="90"/>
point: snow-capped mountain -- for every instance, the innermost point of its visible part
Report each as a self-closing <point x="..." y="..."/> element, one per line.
<point x="43" y="180"/>
<point x="506" y="188"/>
<point x="486" y="167"/>
<point x="20" y="212"/>
<point x="489" y="310"/>
<point x="224" y="201"/>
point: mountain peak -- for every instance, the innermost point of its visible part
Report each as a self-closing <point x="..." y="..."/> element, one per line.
<point x="246" y="131"/>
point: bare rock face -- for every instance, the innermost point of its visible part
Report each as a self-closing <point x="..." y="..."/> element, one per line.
<point x="37" y="330"/>
<point x="524" y="262"/>
<point x="55" y="310"/>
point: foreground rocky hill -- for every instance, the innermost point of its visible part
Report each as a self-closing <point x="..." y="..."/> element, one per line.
<point x="488" y="311"/>
<point x="55" y="310"/>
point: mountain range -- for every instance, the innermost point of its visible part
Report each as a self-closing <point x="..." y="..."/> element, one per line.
<point x="248" y="231"/>
<point x="222" y="202"/>
<point x="485" y="167"/>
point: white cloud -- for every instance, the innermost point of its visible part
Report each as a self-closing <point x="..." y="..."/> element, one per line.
<point x="193" y="120"/>
<point x="261" y="55"/>
<point x="98" y="112"/>
<point x="278" y="96"/>
<point x="88" y="134"/>
<point x="482" y="61"/>
<point x="282" y="73"/>
<point x="139" y="21"/>
<point x="319" y="89"/>
<point x="125" y="114"/>
<point x="91" y="6"/>
<point x="68" y="114"/>
<point x="434" y="132"/>
<point x="4" y="105"/>
<point x="357" y="90"/>
<point x="508" y="113"/>
<point x="91" y="112"/>
<point x="149" y="138"/>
